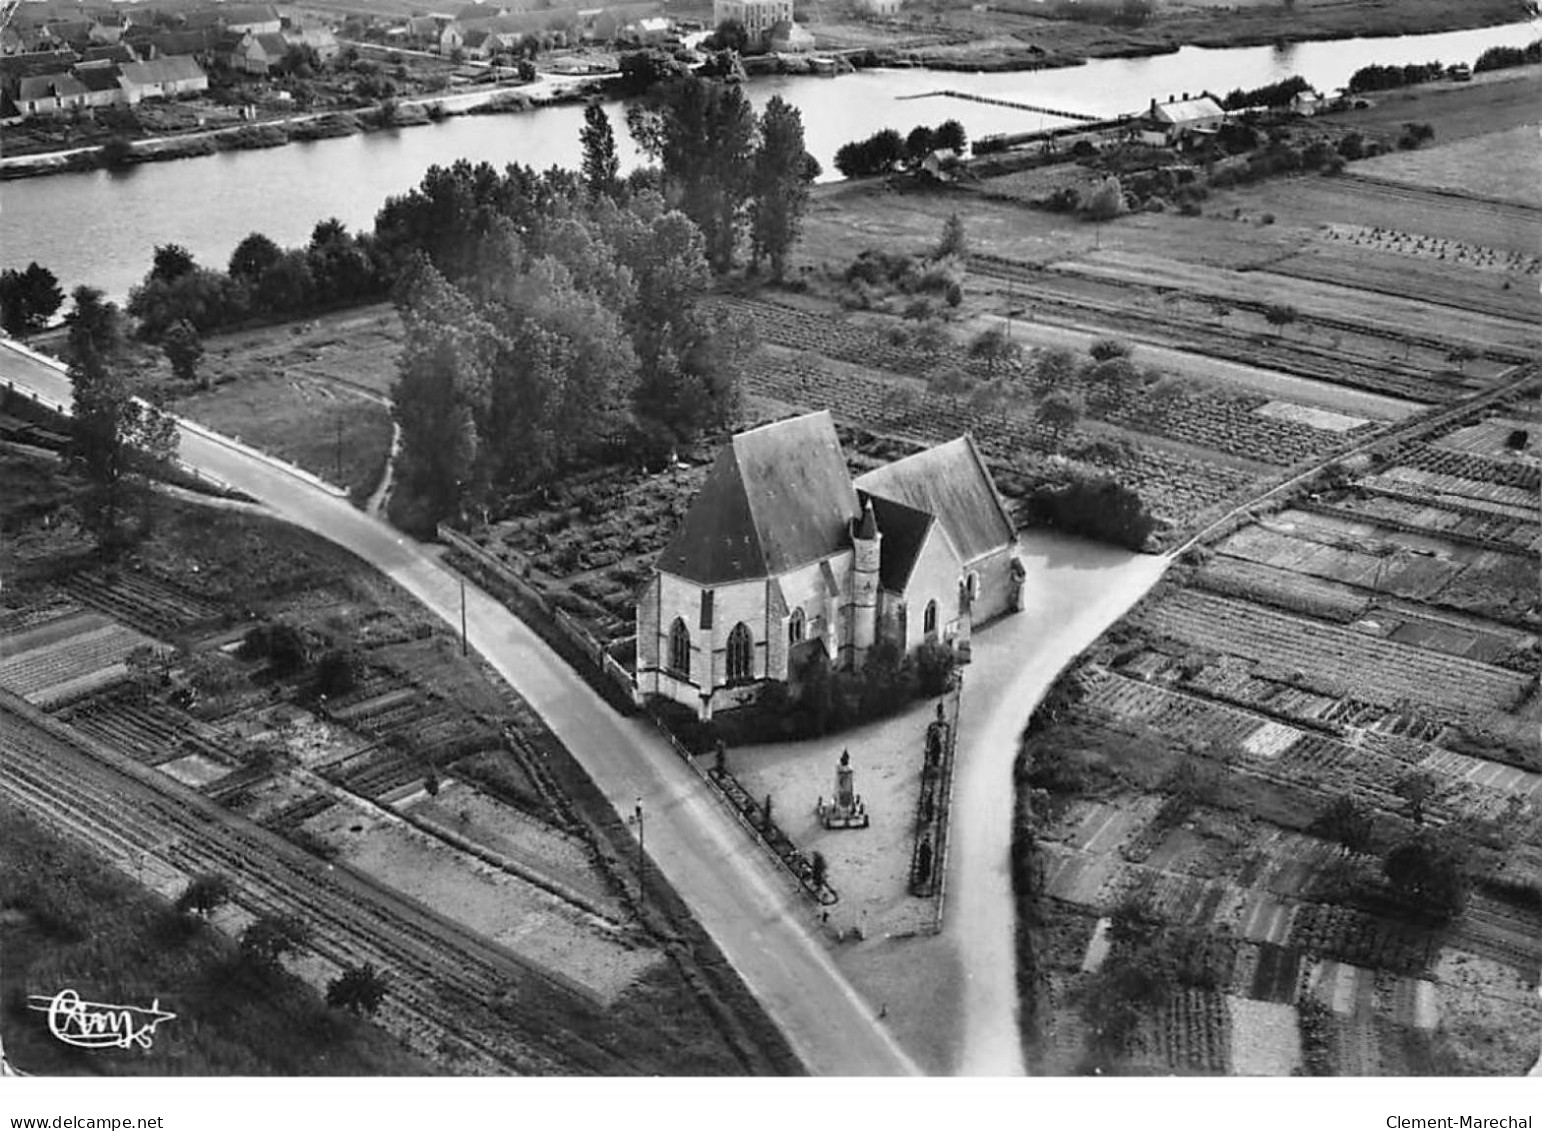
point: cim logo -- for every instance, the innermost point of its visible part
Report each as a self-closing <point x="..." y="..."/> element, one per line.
<point x="97" y="1025"/>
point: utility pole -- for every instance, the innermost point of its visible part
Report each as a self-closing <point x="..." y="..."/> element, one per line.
<point x="463" y="650"/>
<point x="339" y="451"/>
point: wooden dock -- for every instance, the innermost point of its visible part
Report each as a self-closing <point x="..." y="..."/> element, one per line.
<point x="992" y="101"/>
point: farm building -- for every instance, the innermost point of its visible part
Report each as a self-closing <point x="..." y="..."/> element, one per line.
<point x="782" y="555"/>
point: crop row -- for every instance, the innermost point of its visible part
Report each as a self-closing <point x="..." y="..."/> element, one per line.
<point x="442" y="980"/>
<point x="1366" y="667"/>
<point x="70" y="658"/>
<point x="1461" y="488"/>
<point x="149" y="604"/>
<point x="1468" y="465"/>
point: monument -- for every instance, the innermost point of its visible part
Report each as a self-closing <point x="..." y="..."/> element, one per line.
<point x="847" y="810"/>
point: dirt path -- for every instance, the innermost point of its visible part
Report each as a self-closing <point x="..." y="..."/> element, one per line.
<point x="1016" y="661"/>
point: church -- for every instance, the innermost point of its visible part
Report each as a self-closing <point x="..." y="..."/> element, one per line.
<point x="783" y="553"/>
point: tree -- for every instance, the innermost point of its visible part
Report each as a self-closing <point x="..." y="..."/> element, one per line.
<point x="818" y="868"/>
<point x="204" y="895"/>
<point x="183" y="347"/>
<point x="702" y="133"/>
<point x="919" y="144"/>
<point x="359" y="989"/>
<point x="951" y="135"/>
<point x="1462" y="355"/>
<point x="115" y="439"/>
<point x="1059" y="412"/>
<point x="1104" y="201"/>
<point x="779" y="189"/>
<point x="28" y="299"/>
<point x="730" y="35"/>
<point x="252" y="257"/>
<point x="954" y="241"/>
<point x="601" y="166"/>
<point x="172" y="261"/>
<point x="995" y="348"/>
<point x="1346" y="822"/>
<point x="1109" y="383"/>
<point x="1280" y="315"/>
<point x="271" y="937"/>
<point x="1417" y="790"/>
<point x="1055" y="368"/>
<point x="1428" y="875"/>
<point x="871" y="156"/>
<point x="1107" y="349"/>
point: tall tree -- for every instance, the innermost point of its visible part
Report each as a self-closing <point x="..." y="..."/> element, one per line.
<point x="601" y="166"/>
<point x="183" y="347"/>
<point x="28" y="299"/>
<point x="702" y="133"/>
<point x="780" y="188"/>
<point x="115" y="438"/>
<point x="172" y="261"/>
<point x="252" y="256"/>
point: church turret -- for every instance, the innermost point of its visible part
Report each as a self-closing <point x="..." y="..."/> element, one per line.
<point x="867" y="541"/>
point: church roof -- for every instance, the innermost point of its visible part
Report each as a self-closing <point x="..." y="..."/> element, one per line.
<point x="951" y="482"/>
<point x="904" y="531"/>
<point x="777" y="497"/>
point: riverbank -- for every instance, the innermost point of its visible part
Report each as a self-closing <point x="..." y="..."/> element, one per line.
<point x="1009" y="38"/>
<point x="550" y="90"/>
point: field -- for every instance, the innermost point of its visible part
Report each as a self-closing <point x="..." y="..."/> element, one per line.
<point x="1317" y="654"/>
<point x="421" y="777"/>
<point x="1498" y="165"/>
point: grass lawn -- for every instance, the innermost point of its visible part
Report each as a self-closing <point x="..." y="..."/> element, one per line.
<point x="303" y="421"/>
<point x="67" y="920"/>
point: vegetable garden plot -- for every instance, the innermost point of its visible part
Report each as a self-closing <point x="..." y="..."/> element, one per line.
<point x="1188" y="1033"/>
<point x="1265" y="1038"/>
<point x="1403" y="510"/>
<point x="1283" y="589"/>
<point x="71" y="665"/>
<point x="1370" y="669"/>
<point x="144" y="602"/>
<point x="1502" y="586"/>
<point x="1489" y="439"/>
<point x="1504" y="471"/>
<point x="1437" y="486"/>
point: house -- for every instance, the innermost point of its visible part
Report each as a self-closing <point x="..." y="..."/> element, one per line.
<point x="790" y="36"/>
<point x="757" y="16"/>
<point x="318" y="39"/>
<point x="423" y="31"/>
<point x="42" y="95"/>
<point x="250" y="19"/>
<point x="1308" y="103"/>
<point x="257" y="54"/>
<point x="452" y="38"/>
<point x="1176" y="121"/>
<point x="881" y="8"/>
<point x="102" y="84"/>
<point x="783" y="556"/>
<point x="169" y="77"/>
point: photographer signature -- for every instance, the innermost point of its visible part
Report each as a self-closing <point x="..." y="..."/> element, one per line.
<point x="97" y="1025"/>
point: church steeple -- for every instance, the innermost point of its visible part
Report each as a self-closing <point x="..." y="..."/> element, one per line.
<point x="867" y="543"/>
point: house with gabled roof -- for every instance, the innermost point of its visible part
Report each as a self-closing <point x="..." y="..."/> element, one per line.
<point x="783" y="555"/>
<point x="167" y="77"/>
<point x="41" y="95"/>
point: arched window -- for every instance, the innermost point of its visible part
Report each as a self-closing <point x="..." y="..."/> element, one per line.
<point x="795" y="627"/>
<point x="741" y="655"/>
<point x="929" y="621"/>
<point x="680" y="649"/>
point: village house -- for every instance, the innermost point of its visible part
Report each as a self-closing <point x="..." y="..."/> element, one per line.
<point x="43" y="95"/>
<point x="322" y="41"/>
<point x="787" y="36"/>
<point x="757" y="16"/>
<point x="782" y="555"/>
<point x="170" y="77"/>
<point x="242" y="19"/>
<point x="882" y="8"/>
<point x="256" y="54"/>
<point x="1179" y="122"/>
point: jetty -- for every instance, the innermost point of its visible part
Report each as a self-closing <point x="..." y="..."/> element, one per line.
<point x="1008" y="102"/>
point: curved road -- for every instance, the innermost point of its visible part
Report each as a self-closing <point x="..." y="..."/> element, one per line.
<point x="748" y="907"/>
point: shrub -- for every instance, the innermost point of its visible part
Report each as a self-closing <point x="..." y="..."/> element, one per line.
<point x="1092" y="506"/>
<point x="337" y="672"/>
<point x="934" y="663"/>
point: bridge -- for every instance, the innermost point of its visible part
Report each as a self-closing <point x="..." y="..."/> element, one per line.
<point x="1008" y="102"/>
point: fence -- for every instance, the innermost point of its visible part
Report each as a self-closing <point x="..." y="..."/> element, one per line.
<point x="929" y="856"/>
<point x="572" y="641"/>
<point x="737" y="801"/>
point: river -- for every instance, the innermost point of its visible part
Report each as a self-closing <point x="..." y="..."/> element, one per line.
<point x="100" y="228"/>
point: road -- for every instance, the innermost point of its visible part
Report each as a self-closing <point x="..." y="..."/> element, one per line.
<point x="748" y="907"/>
<point x="1073" y="591"/>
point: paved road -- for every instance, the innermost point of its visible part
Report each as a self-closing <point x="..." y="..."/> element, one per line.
<point x="746" y="905"/>
<point x="1073" y="592"/>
